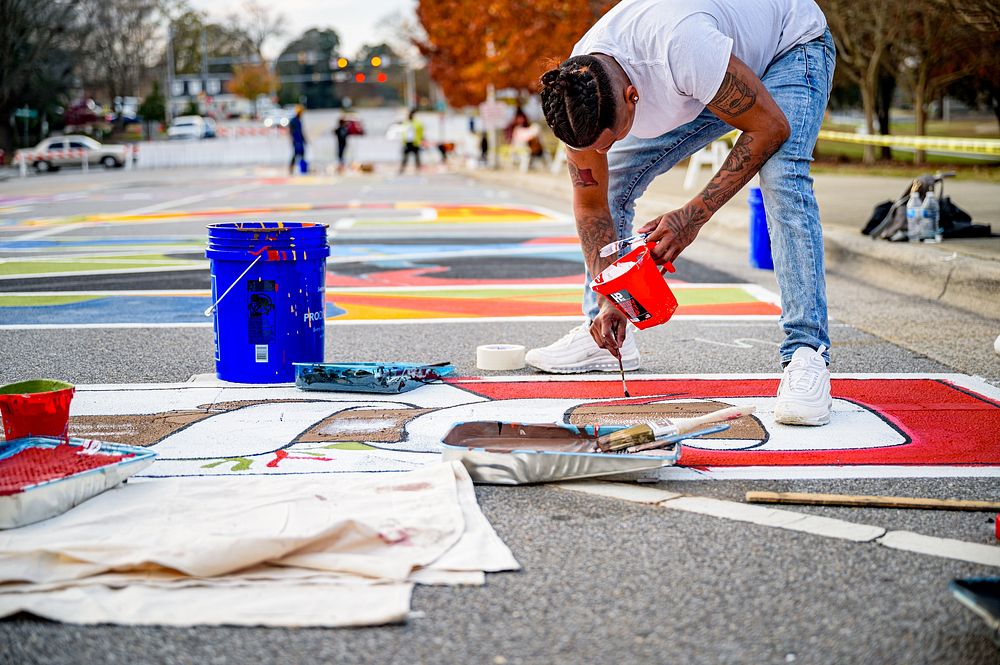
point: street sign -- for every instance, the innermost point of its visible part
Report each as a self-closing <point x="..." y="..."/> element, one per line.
<point x="495" y="115"/>
<point x="26" y="113"/>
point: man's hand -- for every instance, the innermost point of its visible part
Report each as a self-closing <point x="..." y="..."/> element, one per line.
<point x="674" y="231"/>
<point x="608" y="329"/>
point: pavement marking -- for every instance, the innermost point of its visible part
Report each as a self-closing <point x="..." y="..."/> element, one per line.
<point x="196" y="198"/>
<point x="189" y="266"/>
<point x="789" y="520"/>
<point x="908" y="541"/>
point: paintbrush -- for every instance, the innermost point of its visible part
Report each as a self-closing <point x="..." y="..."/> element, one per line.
<point x="670" y="440"/>
<point x="621" y="368"/>
<point x="638" y="435"/>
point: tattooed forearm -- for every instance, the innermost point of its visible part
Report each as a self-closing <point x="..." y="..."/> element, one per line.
<point x="684" y="225"/>
<point x="742" y="164"/>
<point x="595" y="231"/>
<point x="734" y="97"/>
<point x="581" y="177"/>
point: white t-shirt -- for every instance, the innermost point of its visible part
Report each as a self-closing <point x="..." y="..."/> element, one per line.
<point x="676" y="52"/>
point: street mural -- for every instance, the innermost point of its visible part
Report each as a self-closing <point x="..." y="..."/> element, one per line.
<point x="893" y="426"/>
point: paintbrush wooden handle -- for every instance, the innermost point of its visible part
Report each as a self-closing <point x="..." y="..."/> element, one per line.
<point x="685" y="425"/>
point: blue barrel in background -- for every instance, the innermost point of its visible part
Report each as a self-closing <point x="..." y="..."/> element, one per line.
<point x="760" y="240"/>
<point x="275" y="315"/>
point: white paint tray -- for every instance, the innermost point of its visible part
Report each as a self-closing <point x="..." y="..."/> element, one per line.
<point x="504" y="463"/>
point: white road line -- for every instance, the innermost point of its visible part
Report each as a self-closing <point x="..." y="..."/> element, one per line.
<point x="372" y="322"/>
<point x="51" y="231"/>
<point x="789" y="520"/>
<point x="196" y="198"/>
<point x="193" y="265"/>
<point x="948" y="548"/>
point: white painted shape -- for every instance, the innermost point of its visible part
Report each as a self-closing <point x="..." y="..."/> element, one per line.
<point x="774" y="517"/>
<point x="154" y="398"/>
<point x="987" y="555"/>
<point x="251" y="430"/>
<point x="345" y="462"/>
<point x="851" y="427"/>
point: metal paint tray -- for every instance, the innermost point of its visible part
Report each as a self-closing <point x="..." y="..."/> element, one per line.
<point x="49" y="498"/>
<point x="368" y="377"/>
<point x="511" y="465"/>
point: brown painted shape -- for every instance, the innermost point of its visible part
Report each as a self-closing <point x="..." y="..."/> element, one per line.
<point x="368" y="425"/>
<point x="631" y="414"/>
<point x="138" y="430"/>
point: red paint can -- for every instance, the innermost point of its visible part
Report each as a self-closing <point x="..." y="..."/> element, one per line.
<point x="39" y="407"/>
<point x="635" y="285"/>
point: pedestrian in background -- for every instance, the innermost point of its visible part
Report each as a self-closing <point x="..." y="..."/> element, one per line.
<point x="413" y="138"/>
<point x="341" y="132"/>
<point x="298" y="140"/>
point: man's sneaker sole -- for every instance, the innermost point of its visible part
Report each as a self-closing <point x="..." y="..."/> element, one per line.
<point x="628" y="364"/>
<point x="795" y="419"/>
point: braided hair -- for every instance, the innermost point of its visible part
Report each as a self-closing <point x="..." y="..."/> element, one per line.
<point x="577" y="100"/>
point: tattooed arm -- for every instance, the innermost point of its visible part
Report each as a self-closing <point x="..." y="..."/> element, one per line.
<point x="743" y="102"/>
<point x="588" y="169"/>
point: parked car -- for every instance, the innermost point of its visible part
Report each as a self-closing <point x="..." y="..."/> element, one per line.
<point x="191" y="127"/>
<point x="277" y="117"/>
<point x="59" y="151"/>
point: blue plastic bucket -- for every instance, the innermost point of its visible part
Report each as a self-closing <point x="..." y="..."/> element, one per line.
<point x="760" y="239"/>
<point x="275" y="314"/>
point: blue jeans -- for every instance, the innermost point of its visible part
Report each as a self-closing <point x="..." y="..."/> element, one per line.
<point x="799" y="81"/>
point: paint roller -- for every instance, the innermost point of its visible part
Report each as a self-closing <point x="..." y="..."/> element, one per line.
<point x="648" y="436"/>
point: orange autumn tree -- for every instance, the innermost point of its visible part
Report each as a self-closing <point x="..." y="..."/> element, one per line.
<point x="528" y="37"/>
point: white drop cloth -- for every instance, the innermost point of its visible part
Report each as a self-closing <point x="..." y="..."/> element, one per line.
<point x="189" y="551"/>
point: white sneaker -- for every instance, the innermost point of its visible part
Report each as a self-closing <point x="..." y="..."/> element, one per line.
<point x="804" y="393"/>
<point x="578" y="352"/>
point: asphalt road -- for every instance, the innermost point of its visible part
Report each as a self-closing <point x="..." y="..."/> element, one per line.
<point x="604" y="581"/>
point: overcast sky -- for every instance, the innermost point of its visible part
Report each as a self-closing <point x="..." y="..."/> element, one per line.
<point x="356" y="21"/>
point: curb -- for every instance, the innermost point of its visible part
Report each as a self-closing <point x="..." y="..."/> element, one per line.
<point x="966" y="282"/>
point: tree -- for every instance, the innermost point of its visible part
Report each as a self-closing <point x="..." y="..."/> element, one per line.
<point x="982" y="17"/>
<point x="39" y="42"/>
<point x="258" y="23"/>
<point x="310" y="54"/>
<point x="527" y="38"/>
<point x="864" y="32"/>
<point x="120" y="43"/>
<point x="153" y="107"/>
<point x="252" y="81"/>
<point x="191" y="30"/>
<point x="939" y="52"/>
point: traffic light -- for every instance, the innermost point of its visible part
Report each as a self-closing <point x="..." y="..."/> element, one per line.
<point x="376" y="61"/>
<point x="342" y="62"/>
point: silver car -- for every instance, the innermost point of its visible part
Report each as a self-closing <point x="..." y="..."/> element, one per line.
<point x="72" y="150"/>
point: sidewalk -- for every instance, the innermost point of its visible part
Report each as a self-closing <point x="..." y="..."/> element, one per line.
<point x="960" y="273"/>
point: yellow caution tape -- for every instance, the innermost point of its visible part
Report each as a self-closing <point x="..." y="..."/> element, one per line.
<point x="942" y="143"/>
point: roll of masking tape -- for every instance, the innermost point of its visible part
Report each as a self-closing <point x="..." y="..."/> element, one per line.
<point x="500" y="356"/>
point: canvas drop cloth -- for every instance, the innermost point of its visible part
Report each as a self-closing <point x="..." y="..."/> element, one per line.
<point x="289" y="551"/>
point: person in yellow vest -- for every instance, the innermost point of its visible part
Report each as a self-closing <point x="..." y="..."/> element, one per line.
<point x="413" y="139"/>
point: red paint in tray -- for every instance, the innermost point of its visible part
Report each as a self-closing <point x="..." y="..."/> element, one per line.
<point x="32" y="466"/>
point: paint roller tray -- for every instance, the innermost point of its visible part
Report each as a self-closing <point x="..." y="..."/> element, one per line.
<point x="368" y="377"/>
<point x="41" y="477"/>
<point x="505" y="453"/>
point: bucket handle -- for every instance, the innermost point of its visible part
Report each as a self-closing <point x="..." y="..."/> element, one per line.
<point x="208" y="312"/>
<point x="639" y="238"/>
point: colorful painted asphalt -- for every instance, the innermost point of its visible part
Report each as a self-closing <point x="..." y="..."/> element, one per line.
<point x="388" y="279"/>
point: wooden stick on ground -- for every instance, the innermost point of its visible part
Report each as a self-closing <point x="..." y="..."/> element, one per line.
<point x="860" y="501"/>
